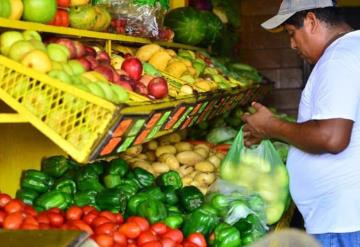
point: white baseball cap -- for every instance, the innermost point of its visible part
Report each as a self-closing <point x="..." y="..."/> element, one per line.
<point x="289" y="7"/>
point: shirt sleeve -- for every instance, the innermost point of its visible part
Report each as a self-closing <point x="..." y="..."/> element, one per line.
<point x="337" y="90"/>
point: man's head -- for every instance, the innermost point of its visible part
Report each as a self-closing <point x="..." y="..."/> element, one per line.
<point x="310" y="25"/>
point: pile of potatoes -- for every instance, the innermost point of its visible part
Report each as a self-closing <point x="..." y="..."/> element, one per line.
<point x="197" y="164"/>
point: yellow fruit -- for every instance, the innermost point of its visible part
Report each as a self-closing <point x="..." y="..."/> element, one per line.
<point x="89" y="76"/>
<point x="176" y="69"/>
<point x="204" y="85"/>
<point x="187" y="62"/>
<point x="191" y="70"/>
<point x="78" y="2"/>
<point x="123" y="49"/>
<point x="186" y="90"/>
<point x="160" y="60"/>
<point x="171" y="52"/>
<point x="17" y="8"/>
<point x="116" y="61"/>
<point x="147" y="51"/>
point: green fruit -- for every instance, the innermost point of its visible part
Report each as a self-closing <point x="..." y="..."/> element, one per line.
<point x="109" y="94"/>
<point x="83" y="17"/>
<point x="122" y="95"/>
<point x="95" y="89"/>
<point x="76" y="67"/>
<point x="58" y="53"/>
<point x="19" y="49"/>
<point x="7" y="39"/>
<point x="42" y="11"/>
<point x="60" y="75"/>
<point x="5" y="8"/>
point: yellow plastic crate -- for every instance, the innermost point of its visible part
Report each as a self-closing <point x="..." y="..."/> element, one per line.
<point x="72" y="118"/>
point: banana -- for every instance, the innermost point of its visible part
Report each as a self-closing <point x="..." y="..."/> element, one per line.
<point x="204" y="85"/>
<point x="116" y="61"/>
<point x="187" y="62"/>
<point x="186" y="90"/>
<point x="176" y="69"/>
<point x="123" y="49"/>
<point x="90" y="75"/>
<point x="17" y="8"/>
<point x="172" y="53"/>
<point x="192" y="71"/>
<point x="160" y="60"/>
<point x="147" y="51"/>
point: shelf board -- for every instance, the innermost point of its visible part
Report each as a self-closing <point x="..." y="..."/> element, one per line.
<point x="178" y="45"/>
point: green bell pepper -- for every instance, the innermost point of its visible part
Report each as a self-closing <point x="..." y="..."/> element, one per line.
<point x="97" y="167"/>
<point x="153" y="210"/>
<point x="174" y="221"/>
<point x="65" y="185"/>
<point x="154" y="193"/>
<point x="190" y="198"/>
<point x="203" y="220"/>
<point x="243" y="226"/>
<point x="84" y="198"/>
<point x="55" y="166"/>
<point x="127" y="189"/>
<point x="144" y="177"/>
<point x="173" y="210"/>
<point x="52" y="199"/>
<point x="170" y="178"/>
<point x="114" y="171"/>
<point x="171" y="197"/>
<point x="111" y="199"/>
<point x="88" y="179"/>
<point x="226" y="235"/>
<point x="27" y="196"/>
<point x="221" y="203"/>
<point x="36" y="180"/>
<point x="135" y="201"/>
<point x="131" y="182"/>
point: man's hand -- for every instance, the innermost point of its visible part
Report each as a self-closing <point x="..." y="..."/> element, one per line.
<point x="257" y="125"/>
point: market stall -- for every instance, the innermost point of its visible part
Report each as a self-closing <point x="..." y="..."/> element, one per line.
<point x="96" y="110"/>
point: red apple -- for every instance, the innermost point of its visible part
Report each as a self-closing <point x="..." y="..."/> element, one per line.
<point x="121" y="72"/>
<point x="106" y="71"/>
<point x="69" y="44"/>
<point x="141" y="89"/>
<point x="158" y="88"/>
<point x="127" y="55"/>
<point x="89" y="51"/>
<point x="80" y="49"/>
<point x="145" y="79"/>
<point x="85" y="63"/>
<point x="92" y="60"/>
<point x="133" y="67"/>
<point x="126" y="85"/>
<point x="103" y="57"/>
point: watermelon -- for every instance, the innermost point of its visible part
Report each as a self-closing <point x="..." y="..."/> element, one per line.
<point x="214" y="27"/>
<point x="188" y="25"/>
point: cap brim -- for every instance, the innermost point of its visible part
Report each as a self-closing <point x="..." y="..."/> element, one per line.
<point x="276" y="21"/>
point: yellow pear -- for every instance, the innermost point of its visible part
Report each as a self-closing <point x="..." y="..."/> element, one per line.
<point x="17" y="8"/>
<point x="37" y="60"/>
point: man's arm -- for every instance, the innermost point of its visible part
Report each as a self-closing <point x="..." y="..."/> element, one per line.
<point x="315" y="136"/>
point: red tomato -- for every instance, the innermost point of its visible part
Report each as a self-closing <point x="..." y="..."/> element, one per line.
<point x="152" y="244"/>
<point x="14" y="206"/>
<point x="120" y="238"/>
<point x="197" y="239"/>
<point x="4" y="199"/>
<point x="43" y="218"/>
<point x="63" y="3"/>
<point x="29" y="227"/>
<point x="130" y="229"/>
<point x="109" y="215"/>
<point x="30" y="220"/>
<point x="89" y="218"/>
<point x="167" y="242"/>
<point x="146" y="236"/>
<point x="74" y="213"/>
<point x="2" y="217"/>
<point x="132" y="245"/>
<point x="81" y="225"/>
<point x="43" y="226"/>
<point x="99" y="220"/>
<point x="188" y="244"/>
<point x="104" y="240"/>
<point x="13" y="221"/>
<point x="87" y="209"/>
<point x="119" y="218"/>
<point x="55" y="210"/>
<point x="107" y="228"/>
<point x="142" y="222"/>
<point x="28" y="210"/>
<point x="159" y="228"/>
<point x="56" y="220"/>
<point x="174" y="234"/>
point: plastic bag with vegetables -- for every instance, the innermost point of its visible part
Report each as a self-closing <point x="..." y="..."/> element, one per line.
<point x="258" y="170"/>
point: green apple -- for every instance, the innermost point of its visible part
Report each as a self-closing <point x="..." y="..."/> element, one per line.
<point x="75" y="79"/>
<point x="60" y="75"/>
<point x="95" y="89"/>
<point x="56" y="65"/>
<point x="38" y="44"/>
<point x="7" y="39"/>
<point x="37" y="60"/>
<point x="122" y="95"/>
<point x="19" y="49"/>
<point x="188" y="78"/>
<point x="5" y="8"/>
<point x="67" y="68"/>
<point x="84" y="80"/>
<point x="109" y="93"/>
<point x="82" y="87"/>
<point x="31" y="35"/>
<point x="58" y="53"/>
<point x="76" y="67"/>
<point x="42" y="11"/>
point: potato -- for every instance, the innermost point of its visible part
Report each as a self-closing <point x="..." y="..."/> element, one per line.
<point x="174" y="138"/>
<point x="205" y="178"/>
<point x="189" y="158"/>
<point x="185" y="170"/>
<point x="205" y="166"/>
<point x="170" y="160"/>
<point x="183" y="146"/>
<point x="125" y="157"/>
<point x="216" y="161"/>
<point x="220" y="156"/>
<point x="144" y="165"/>
<point x="202" y="151"/>
<point x="151" y="145"/>
<point x="150" y="155"/>
<point x="168" y="149"/>
<point x="160" y="167"/>
<point x="141" y="156"/>
<point x="204" y="146"/>
<point x="203" y="190"/>
<point x="196" y="183"/>
<point x="187" y="180"/>
<point x="134" y="150"/>
<point x="193" y="174"/>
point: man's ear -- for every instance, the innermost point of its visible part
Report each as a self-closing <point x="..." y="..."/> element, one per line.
<point x="311" y="22"/>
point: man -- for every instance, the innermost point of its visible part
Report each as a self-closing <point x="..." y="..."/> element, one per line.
<point x="324" y="161"/>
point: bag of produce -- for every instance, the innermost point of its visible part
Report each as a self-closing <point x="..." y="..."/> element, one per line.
<point x="258" y="170"/>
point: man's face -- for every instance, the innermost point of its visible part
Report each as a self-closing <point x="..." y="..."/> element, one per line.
<point x="300" y="42"/>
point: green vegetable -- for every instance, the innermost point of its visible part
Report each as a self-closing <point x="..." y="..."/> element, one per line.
<point x="187" y="24"/>
<point x="115" y="170"/>
<point x="111" y="199"/>
<point x="144" y="177"/>
<point x="174" y="221"/>
<point x="170" y="178"/>
<point x="36" y="180"/>
<point x="84" y="198"/>
<point x="97" y="167"/>
<point x="127" y="190"/>
<point x="214" y="27"/>
<point x="135" y="201"/>
<point x="226" y="236"/>
<point x="88" y="179"/>
<point x="52" y="199"/>
<point x="190" y="198"/>
<point x="55" y="166"/>
<point x="221" y="134"/>
<point x="202" y="220"/>
<point x="152" y="210"/>
<point x="220" y="203"/>
<point x="154" y="193"/>
<point x="65" y="185"/>
<point x="27" y="196"/>
<point x="173" y="210"/>
<point x="171" y="197"/>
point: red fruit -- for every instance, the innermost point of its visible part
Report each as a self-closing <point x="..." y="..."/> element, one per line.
<point x="43" y="218"/>
<point x="93" y="62"/>
<point x="29" y="227"/>
<point x="63" y="3"/>
<point x="74" y="213"/>
<point x="4" y="199"/>
<point x="147" y="236"/>
<point x="141" y="89"/>
<point x="87" y="209"/>
<point x="140" y="221"/>
<point x="89" y="218"/>
<point x="145" y="79"/>
<point x="130" y="230"/>
<point x="56" y="220"/>
<point x="103" y="57"/>
<point x="104" y="240"/>
<point x="133" y="67"/>
<point x="81" y="225"/>
<point x="89" y="51"/>
<point x="29" y="211"/>
<point x="107" y="214"/>
<point x="85" y="63"/>
<point x="152" y="244"/>
<point x="106" y="71"/>
<point x="174" y="234"/>
<point x="197" y="238"/>
<point x="13" y="206"/>
<point x="167" y="242"/>
<point x="69" y="44"/>
<point x="2" y="217"/>
<point x="30" y="220"/>
<point x="158" y="88"/>
<point x="99" y="220"/>
<point x="79" y="49"/>
<point x="159" y="228"/>
<point x="107" y="228"/>
<point x="120" y="238"/>
<point x="13" y="221"/>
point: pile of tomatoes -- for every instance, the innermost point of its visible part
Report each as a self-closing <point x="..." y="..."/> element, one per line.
<point x="106" y="228"/>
